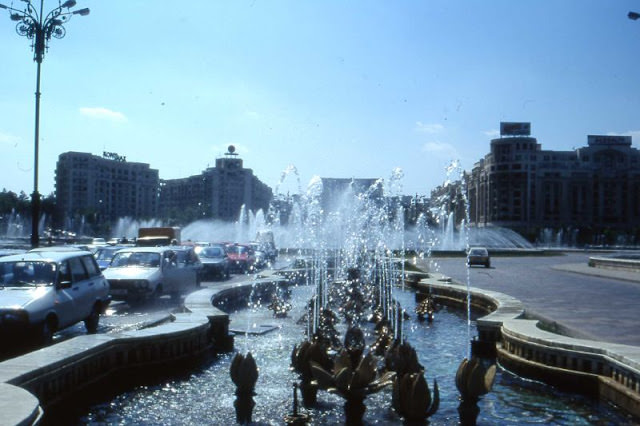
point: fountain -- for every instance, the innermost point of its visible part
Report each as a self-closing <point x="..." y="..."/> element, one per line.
<point x="353" y="264"/>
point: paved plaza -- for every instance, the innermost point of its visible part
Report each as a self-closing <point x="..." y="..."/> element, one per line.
<point x="594" y="303"/>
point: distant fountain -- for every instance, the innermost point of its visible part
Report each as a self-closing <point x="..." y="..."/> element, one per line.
<point x="127" y="227"/>
<point x="16" y="226"/>
<point x="351" y="258"/>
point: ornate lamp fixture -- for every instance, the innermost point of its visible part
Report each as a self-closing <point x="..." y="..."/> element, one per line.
<point x="39" y="28"/>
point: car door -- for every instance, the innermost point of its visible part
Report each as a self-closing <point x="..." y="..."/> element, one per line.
<point x="171" y="273"/>
<point x="65" y="297"/>
<point x="81" y="289"/>
<point x="192" y="265"/>
<point x="95" y="287"/>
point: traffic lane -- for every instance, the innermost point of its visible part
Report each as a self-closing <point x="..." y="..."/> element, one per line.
<point x="118" y="317"/>
<point x="597" y="307"/>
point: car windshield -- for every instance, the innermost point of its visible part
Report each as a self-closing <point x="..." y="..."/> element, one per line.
<point x="210" y="252"/>
<point x="238" y="250"/>
<point x="25" y="273"/>
<point x="135" y="259"/>
<point x="106" y="253"/>
<point x="478" y="252"/>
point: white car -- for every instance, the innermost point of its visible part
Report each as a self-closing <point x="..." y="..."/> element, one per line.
<point x="145" y="273"/>
<point x="47" y="290"/>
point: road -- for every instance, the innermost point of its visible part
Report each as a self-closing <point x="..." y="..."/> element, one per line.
<point x="119" y="317"/>
<point x="602" y="308"/>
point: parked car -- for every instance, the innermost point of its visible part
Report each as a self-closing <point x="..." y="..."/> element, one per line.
<point x="104" y="255"/>
<point x="241" y="257"/>
<point x="215" y="261"/>
<point x="478" y="256"/>
<point x="45" y="291"/>
<point x="136" y="274"/>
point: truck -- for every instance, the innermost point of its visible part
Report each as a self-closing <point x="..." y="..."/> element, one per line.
<point x="266" y="243"/>
<point x="158" y="236"/>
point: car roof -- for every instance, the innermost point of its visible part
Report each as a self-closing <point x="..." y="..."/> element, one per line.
<point x="112" y="248"/>
<point x="160" y="250"/>
<point x="43" y="255"/>
<point x="60" y="248"/>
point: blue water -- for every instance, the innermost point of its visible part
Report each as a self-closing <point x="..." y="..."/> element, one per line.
<point x="206" y="397"/>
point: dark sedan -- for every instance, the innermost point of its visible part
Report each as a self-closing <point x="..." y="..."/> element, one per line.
<point x="215" y="262"/>
<point x="479" y="256"/>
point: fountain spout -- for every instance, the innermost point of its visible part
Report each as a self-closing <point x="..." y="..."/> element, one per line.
<point x="244" y="374"/>
<point x="296" y="418"/>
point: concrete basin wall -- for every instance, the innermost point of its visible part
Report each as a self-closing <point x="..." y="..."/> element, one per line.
<point x="614" y="263"/>
<point x="603" y="370"/>
<point x="54" y="373"/>
<point x="31" y="383"/>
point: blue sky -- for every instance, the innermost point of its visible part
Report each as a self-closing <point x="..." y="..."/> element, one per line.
<point x="332" y="88"/>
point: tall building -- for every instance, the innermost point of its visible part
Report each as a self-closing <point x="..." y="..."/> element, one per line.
<point x="591" y="190"/>
<point x="106" y="188"/>
<point x="219" y="192"/>
<point x="334" y="189"/>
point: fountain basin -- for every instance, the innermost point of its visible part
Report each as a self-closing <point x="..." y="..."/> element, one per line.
<point x="605" y="371"/>
<point x="94" y="357"/>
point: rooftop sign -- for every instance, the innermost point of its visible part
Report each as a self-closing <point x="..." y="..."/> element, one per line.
<point x="515" y="129"/>
<point x="113" y="156"/>
<point x="608" y="140"/>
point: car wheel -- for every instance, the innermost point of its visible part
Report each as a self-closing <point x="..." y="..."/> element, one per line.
<point x="92" y="321"/>
<point x="46" y="331"/>
<point x="155" y="296"/>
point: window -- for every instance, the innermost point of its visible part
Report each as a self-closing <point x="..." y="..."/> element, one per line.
<point x="91" y="266"/>
<point x="65" y="272"/>
<point x="77" y="269"/>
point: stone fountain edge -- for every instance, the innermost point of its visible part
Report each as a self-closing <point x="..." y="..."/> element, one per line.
<point x="606" y="371"/>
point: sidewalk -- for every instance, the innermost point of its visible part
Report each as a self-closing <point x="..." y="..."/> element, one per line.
<point x="604" y="310"/>
<point x="579" y="268"/>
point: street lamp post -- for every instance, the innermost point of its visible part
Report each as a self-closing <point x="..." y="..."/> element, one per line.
<point x="38" y="27"/>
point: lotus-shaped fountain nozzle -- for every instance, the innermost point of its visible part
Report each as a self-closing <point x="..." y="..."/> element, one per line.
<point x="402" y="358"/>
<point x="301" y="358"/>
<point x="384" y="338"/>
<point x="474" y="378"/>
<point x="279" y="307"/>
<point x="244" y="373"/>
<point x="348" y="381"/>
<point x="412" y="398"/>
<point x="308" y="351"/>
<point x="425" y="309"/>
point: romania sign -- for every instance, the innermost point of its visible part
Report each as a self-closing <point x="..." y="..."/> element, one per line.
<point x="608" y="140"/>
<point x="515" y="129"/>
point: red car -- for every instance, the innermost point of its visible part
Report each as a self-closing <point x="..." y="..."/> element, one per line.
<point x="241" y="258"/>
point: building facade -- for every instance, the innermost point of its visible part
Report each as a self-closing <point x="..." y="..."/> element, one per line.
<point x="218" y="193"/>
<point x="104" y="188"/>
<point x="591" y="190"/>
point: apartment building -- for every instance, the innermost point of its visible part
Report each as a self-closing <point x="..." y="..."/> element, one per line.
<point x="106" y="187"/>
<point x="591" y="189"/>
<point x="218" y="192"/>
